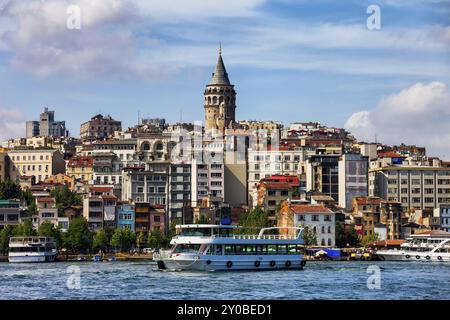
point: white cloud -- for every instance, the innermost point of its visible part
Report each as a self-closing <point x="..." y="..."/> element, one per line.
<point x="12" y="124"/>
<point x="419" y="114"/>
<point x="155" y="38"/>
<point x="105" y="45"/>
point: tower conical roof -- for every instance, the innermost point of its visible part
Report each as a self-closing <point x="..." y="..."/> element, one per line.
<point x="220" y="75"/>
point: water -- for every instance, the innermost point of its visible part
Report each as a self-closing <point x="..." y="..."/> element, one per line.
<point x="141" y="280"/>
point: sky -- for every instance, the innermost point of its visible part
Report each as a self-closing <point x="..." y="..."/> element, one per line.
<point x="290" y="61"/>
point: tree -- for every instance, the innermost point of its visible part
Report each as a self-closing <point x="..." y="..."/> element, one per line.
<point x="352" y="236"/>
<point x="78" y="237"/>
<point x="341" y="237"/>
<point x="140" y="240"/>
<point x="172" y="227"/>
<point x="47" y="229"/>
<point x="5" y="234"/>
<point x="252" y="221"/>
<point x="27" y="197"/>
<point x="101" y="241"/>
<point x="64" y="197"/>
<point x="122" y="239"/>
<point x="157" y="240"/>
<point x="202" y="219"/>
<point x="25" y="229"/>
<point x="309" y="236"/>
<point x="369" y="238"/>
<point x="9" y="190"/>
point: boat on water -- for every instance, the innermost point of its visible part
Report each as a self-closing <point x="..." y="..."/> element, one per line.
<point x="32" y="249"/>
<point x="218" y="248"/>
<point x="427" y="246"/>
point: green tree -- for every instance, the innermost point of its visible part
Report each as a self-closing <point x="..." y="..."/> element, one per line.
<point x="352" y="237"/>
<point x="369" y="238"/>
<point x="202" y="219"/>
<point x="123" y="239"/>
<point x="172" y="227"/>
<point x="252" y="221"/>
<point x="47" y="229"/>
<point x="157" y="240"/>
<point x="101" y="241"/>
<point x="25" y="229"/>
<point x="341" y="237"/>
<point x="27" y="197"/>
<point x="5" y="234"/>
<point x="10" y="190"/>
<point x="78" y="236"/>
<point x="309" y="236"/>
<point x="64" y="197"/>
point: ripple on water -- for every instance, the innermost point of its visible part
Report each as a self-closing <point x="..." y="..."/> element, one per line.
<point x="319" y="280"/>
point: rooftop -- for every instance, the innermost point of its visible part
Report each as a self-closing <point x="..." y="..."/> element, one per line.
<point x="309" y="208"/>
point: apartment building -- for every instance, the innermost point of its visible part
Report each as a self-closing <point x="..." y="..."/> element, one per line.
<point x="46" y="126"/>
<point x="38" y="164"/>
<point x="46" y="211"/>
<point x="99" y="207"/>
<point x="126" y="216"/>
<point x="414" y="186"/>
<point x="99" y="127"/>
<point x="207" y="180"/>
<point x="314" y="216"/>
<point x="110" y="157"/>
<point x="3" y="164"/>
<point x="179" y="189"/>
<point x="322" y="175"/>
<point x="81" y="168"/>
<point x="353" y="178"/>
<point x="273" y="190"/>
<point x="285" y="160"/>
<point x="149" y="183"/>
<point x="9" y="213"/>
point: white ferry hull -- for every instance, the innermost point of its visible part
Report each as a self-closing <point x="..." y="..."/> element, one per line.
<point x="398" y="255"/>
<point x="31" y="258"/>
<point x="220" y="263"/>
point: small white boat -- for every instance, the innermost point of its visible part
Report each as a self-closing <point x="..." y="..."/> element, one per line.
<point x="32" y="249"/>
<point x="217" y="248"/>
<point x="429" y="246"/>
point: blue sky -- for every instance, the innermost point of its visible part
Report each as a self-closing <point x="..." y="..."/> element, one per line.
<point x="290" y="60"/>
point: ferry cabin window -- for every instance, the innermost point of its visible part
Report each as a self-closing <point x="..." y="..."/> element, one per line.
<point x="223" y="232"/>
<point x="196" y="232"/>
<point x="270" y="249"/>
<point x="186" y="248"/>
<point x="30" y="249"/>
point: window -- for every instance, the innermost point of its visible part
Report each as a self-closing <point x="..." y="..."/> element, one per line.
<point x="300" y="217"/>
<point x="140" y="189"/>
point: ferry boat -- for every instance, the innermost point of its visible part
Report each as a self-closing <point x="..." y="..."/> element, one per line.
<point x="428" y="246"/>
<point x="32" y="249"/>
<point x="218" y="248"/>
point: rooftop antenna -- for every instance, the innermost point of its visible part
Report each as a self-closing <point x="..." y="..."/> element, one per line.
<point x="139" y="117"/>
<point x="181" y="115"/>
<point x="220" y="48"/>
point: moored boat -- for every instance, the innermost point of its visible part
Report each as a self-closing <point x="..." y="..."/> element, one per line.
<point x="32" y="249"/>
<point x="218" y="248"/>
<point x="427" y="246"/>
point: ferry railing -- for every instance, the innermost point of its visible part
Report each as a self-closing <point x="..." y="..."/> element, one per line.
<point x="257" y="237"/>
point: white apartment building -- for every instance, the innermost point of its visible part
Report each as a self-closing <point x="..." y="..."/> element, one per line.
<point x="281" y="161"/>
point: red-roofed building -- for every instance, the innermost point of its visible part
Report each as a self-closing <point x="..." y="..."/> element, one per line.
<point x="273" y="190"/>
<point x="315" y="217"/>
<point x="81" y="168"/>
